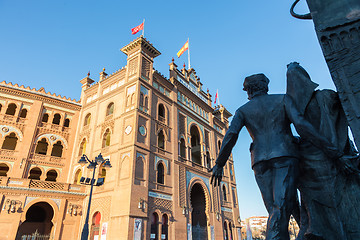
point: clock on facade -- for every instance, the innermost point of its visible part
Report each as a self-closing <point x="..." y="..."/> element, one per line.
<point x="142" y="130"/>
<point x="128" y="129"/>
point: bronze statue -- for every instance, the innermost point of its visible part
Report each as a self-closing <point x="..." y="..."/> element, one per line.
<point x="328" y="195"/>
<point x="274" y="150"/>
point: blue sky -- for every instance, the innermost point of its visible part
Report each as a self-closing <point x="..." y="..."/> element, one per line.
<point x="53" y="44"/>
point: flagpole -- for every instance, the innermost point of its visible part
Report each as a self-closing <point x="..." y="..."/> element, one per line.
<point x="189" y="54"/>
<point x="143" y="28"/>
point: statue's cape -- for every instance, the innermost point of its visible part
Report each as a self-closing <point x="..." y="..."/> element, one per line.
<point x="299" y="86"/>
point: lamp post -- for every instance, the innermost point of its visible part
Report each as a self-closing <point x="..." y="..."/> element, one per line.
<point x="92" y="165"/>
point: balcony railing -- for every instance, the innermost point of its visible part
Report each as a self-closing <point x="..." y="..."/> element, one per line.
<point x="37" y="184"/>
<point x="9" y="155"/>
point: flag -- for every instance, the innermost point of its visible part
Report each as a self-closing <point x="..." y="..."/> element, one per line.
<point x="183" y="49"/>
<point x="216" y="96"/>
<point x="136" y="29"/>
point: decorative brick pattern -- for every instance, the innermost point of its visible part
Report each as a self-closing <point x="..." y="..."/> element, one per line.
<point x="161" y="204"/>
<point x="181" y="124"/>
<point x="47" y="185"/>
<point x="102" y="205"/>
<point x="215" y="198"/>
<point x="182" y="186"/>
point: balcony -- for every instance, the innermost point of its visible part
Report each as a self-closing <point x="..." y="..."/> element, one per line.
<point x="8" y="155"/>
<point x="49" y="126"/>
<point x="37" y="184"/>
<point x="47" y="160"/>
<point x="13" y="120"/>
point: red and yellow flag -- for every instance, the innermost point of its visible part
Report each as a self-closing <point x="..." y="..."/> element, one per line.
<point x="137" y="28"/>
<point x="183" y="49"/>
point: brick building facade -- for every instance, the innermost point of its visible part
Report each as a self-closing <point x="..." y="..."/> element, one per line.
<point x="160" y="134"/>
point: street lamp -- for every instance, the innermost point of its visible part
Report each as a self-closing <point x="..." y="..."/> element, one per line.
<point x="92" y="165"/>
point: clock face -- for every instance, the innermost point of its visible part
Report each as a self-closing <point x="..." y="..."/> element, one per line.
<point x="142" y="130"/>
<point x="128" y="129"/>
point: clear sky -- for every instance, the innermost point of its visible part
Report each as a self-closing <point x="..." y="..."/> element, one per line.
<point x="53" y="44"/>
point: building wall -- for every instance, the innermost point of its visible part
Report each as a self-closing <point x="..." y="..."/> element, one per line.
<point x="146" y="125"/>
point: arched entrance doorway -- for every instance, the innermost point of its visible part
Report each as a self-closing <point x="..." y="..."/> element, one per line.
<point x="95" y="226"/>
<point x="38" y="220"/>
<point x="198" y="215"/>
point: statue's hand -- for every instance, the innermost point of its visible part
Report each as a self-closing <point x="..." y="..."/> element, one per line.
<point x="217" y="173"/>
<point x="346" y="164"/>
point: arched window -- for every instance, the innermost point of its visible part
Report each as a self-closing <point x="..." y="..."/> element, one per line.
<point x="139" y="168"/>
<point x="87" y="119"/>
<point x="23" y="113"/>
<point x="133" y="99"/>
<point x="67" y="122"/>
<point x="0" y="107"/>
<point x="56" y="119"/>
<point x="102" y="172"/>
<point x="10" y="142"/>
<point x="182" y="148"/>
<point x="95" y="226"/>
<point x="110" y="109"/>
<point x="208" y="160"/>
<point x="160" y="173"/>
<point x="3" y="170"/>
<point x="154" y="226"/>
<point x="82" y="148"/>
<point x="45" y="117"/>
<point x="161" y="113"/>
<point x="161" y="140"/>
<point x="226" y="236"/>
<point x="165" y="227"/>
<point x="41" y="147"/>
<point x="141" y="101"/>
<point x="51" y="176"/>
<point x="57" y="149"/>
<point x="11" y="109"/>
<point x="146" y="102"/>
<point x="106" y="138"/>
<point x="35" y="173"/>
<point x="224" y="193"/>
<point x="78" y="176"/>
<point x="230" y="232"/>
<point x="219" y="145"/>
<point x="195" y="145"/>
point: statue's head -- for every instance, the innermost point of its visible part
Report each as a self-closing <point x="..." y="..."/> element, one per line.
<point x="256" y="84"/>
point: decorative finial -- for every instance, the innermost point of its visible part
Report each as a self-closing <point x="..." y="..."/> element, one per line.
<point x="172" y="59"/>
<point x="207" y="90"/>
<point x="103" y="69"/>
<point x="184" y="65"/>
<point x="88" y="74"/>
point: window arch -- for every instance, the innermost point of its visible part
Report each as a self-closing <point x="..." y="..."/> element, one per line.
<point x="154" y="225"/>
<point x="230" y="232"/>
<point x="195" y="145"/>
<point x="35" y="173"/>
<point x="56" y="119"/>
<point x="87" y="119"/>
<point x="224" y="193"/>
<point x="51" y="176"/>
<point x="23" y="113"/>
<point x="141" y="101"/>
<point x="57" y="149"/>
<point x="164" y="227"/>
<point x="219" y="145"/>
<point x="67" y="122"/>
<point x="161" y="112"/>
<point x="182" y="148"/>
<point x="161" y="140"/>
<point x="10" y="142"/>
<point x="45" y="117"/>
<point x="41" y="147"/>
<point x="82" y="148"/>
<point x="11" y="109"/>
<point x="4" y="169"/>
<point x="78" y="176"/>
<point x="106" y="138"/>
<point x="146" y="101"/>
<point x="110" y="109"/>
<point x="160" y="173"/>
